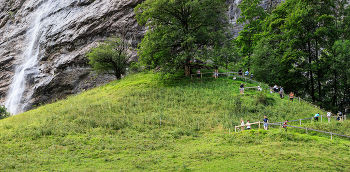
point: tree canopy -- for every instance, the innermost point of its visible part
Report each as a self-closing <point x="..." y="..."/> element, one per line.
<point x="110" y="57"/>
<point x="178" y="30"/>
<point x="301" y="45"/>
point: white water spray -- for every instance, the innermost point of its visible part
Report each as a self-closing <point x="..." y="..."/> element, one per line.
<point x="29" y="64"/>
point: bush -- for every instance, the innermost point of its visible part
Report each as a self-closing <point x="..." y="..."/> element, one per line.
<point x="4" y="113"/>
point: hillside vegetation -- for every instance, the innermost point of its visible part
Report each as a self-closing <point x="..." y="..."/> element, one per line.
<point x="144" y="123"/>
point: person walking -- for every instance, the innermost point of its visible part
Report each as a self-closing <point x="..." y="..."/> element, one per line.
<point x="285" y="125"/>
<point x="240" y="72"/>
<point x="266" y="121"/>
<point x="340" y="116"/>
<point x="198" y="73"/>
<point x="242" y="124"/>
<point x="275" y="88"/>
<point x="241" y="88"/>
<point x="291" y="96"/>
<point x="248" y="125"/>
<point x="281" y="93"/>
<point x="247" y="73"/>
<point x="329" y="114"/>
<point x="316" y="116"/>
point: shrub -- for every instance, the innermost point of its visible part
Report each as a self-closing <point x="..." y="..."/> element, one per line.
<point x="4" y="113"/>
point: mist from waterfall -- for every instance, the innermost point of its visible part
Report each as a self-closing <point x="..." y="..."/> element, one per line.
<point x="29" y="66"/>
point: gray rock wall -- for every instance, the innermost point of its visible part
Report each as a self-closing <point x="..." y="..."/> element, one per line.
<point x="67" y="32"/>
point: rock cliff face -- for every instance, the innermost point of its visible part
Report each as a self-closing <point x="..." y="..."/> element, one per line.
<point x="67" y="29"/>
<point x="59" y="39"/>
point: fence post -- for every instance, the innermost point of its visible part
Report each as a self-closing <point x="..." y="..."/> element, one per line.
<point x="299" y="99"/>
<point x="306" y="131"/>
<point x="345" y="117"/>
<point x="300" y="121"/>
<point x="201" y="75"/>
<point x="331" y="136"/>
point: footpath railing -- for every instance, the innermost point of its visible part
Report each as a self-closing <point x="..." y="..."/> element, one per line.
<point x="307" y="129"/>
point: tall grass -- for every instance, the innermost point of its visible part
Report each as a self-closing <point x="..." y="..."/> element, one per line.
<point x="147" y="124"/>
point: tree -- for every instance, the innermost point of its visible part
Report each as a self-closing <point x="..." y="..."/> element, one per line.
<point x="3" y="112"/>
<point x="178" y="30"/>
<point x="252" y="16"/>
<point x="110" y="57"/>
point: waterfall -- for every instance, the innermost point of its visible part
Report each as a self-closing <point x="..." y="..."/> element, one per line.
<point x="29" y="67"/>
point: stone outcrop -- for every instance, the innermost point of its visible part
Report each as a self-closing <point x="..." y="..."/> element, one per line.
<point x="67" y="32"/>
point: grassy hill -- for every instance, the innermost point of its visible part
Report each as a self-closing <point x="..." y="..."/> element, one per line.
<point x="144" y="124"/>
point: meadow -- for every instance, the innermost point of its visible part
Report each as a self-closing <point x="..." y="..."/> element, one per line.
<point x="144" y="123"/>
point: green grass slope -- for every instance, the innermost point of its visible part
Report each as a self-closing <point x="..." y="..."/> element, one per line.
<point x="142" y="124"/>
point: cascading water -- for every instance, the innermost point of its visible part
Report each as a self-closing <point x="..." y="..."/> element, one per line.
<point x="29" y="66"/>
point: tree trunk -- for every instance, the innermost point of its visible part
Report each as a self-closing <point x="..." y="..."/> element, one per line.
<point x="187" y="69"/>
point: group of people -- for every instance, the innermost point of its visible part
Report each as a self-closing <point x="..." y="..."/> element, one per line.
<point x="246" y="73"/>
<point x="215" y="73"/>
<point x="248" y="125"/>
<point x="280" y="90"/>
<point x="329" y="116"/>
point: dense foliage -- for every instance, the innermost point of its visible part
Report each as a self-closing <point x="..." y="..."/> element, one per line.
<point x="302" y="46"/>
<point x="3" y="112"/>
<point x="110" y="56"/>
<point x="178" y="30"/>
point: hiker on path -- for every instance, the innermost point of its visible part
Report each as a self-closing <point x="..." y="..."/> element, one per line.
<point x="240" y="72"/>
<point x="242" y="124"/>
<point x="281" y="93"/>
<point x="265" y="122"/>
<point x="291" y="96"/>
<point x="316" y="116"/>
<point x="248" y="125"/>
<point x="340" y="116"/>
<point x="247" y="73"/>
<point x="198" y="73"/>
<point x="284" y="125"/>
<point x="275" y="88"/>
<point x="259" y="88"/>
<point x="241" y="88"/>
<point x="329" y="114"/>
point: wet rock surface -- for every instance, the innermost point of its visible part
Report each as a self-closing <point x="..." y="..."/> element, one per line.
<point x="67" y="32"/>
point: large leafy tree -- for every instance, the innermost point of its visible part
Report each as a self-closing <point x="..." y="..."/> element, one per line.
<point x="299" y="49"/>
<point x="110" y="57"/>
<point x="178" y="30"/>
<point x="252" y="17"/>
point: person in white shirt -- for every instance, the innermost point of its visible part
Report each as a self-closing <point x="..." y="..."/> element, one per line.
<point x="329" y="114"/>
<point x="248" y="125"/>
<point x="242" y="123"/>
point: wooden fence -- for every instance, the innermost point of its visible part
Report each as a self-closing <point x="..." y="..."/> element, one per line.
<point x="246" y="125"/>
<point x="309" y="129"/>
